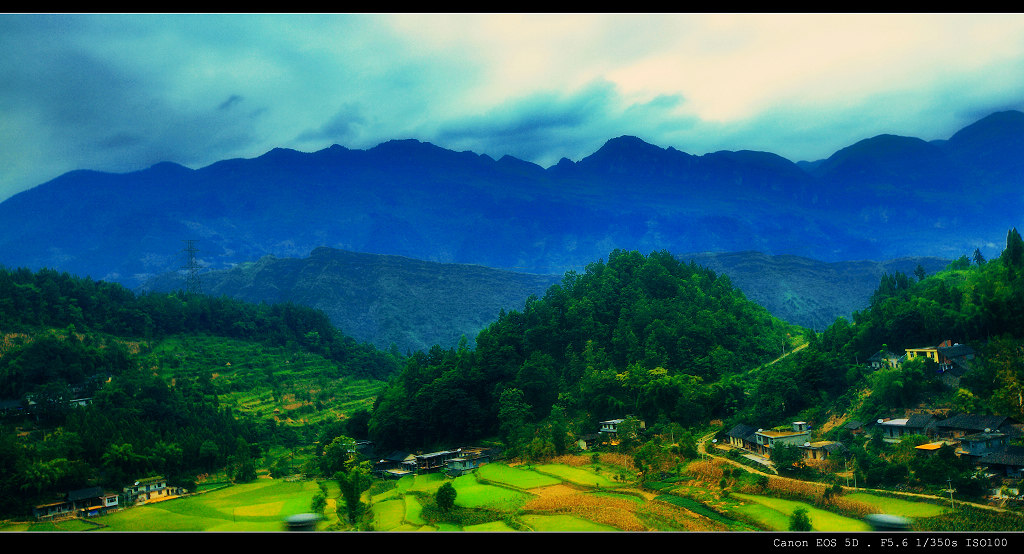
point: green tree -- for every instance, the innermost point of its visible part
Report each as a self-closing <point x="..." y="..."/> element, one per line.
<point x="513" y="414"/>
<point x="353" y="482"/>
<point x="336" y="455"/>
<point x="445" y="497"/>
<point x="1013" y="255"/>
<point x="799" y="520"/>
<point x="978" y="258"/>
<point x="786" y="456"/>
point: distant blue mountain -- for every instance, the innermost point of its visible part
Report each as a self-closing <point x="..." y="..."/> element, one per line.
<point x="882" y="198"/>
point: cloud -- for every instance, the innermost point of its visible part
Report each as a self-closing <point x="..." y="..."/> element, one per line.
<point x="121" y="92"/>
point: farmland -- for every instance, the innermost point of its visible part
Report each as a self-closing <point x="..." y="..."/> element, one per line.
<point x="570" y="493"/>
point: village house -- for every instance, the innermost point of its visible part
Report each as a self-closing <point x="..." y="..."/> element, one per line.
<point x="150" y="489"/>
<point x="855" y="427"/>
<point x="979" y="445"/>
<point x="895" y="430"/>
<point x="81" y="502"/>
<point x="588" y="441"/>
<point x="470" y="459"/>
<point x="883" y="359"/>
<point x="1008" y="463"/>
<point x="822" y="450"/>
<point x="954" y="359"/>
<point x="395" y="465"/>
<point x="610" y="429"/>
<point x="766" y="440"/>
<point x="966" y="424"/>
<point x="434" y="461"/>
<point x="742" y="436"/>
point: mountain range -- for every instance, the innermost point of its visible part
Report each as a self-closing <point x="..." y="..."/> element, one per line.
<point x="882" y="198"/>
<point x="413" y="304"/>
<point x="381" y="299"/>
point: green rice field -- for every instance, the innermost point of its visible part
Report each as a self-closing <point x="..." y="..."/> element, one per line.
<point x="896" y="506"/>
<point x="515" y="477"/>
<point x="775" y="513"/>
<point x="259" y="506"/>
<point x="577" y="475"/>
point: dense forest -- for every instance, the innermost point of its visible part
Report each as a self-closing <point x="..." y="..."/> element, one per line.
<point x="671" y="343"/>
<point x="49" y="298"/>
<point x="66" y="338"/>
<point x="676" y="345"/>
<point x="649" y="336"/>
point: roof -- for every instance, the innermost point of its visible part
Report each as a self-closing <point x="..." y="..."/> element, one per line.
<point x="915" y="421"/>
<point x="772" y="433"/>
<point x="956" y="351"/>
<point x="741" y="431"/>
<point x="853" y="424"/>
<point x="972" y="422"/>
<point x="879" y="356"/>
<point x="984" y="436"/>
<point x="438" y="453"/>
<point x="396" y="456"/>
<point x="82" y="494"/>
<point x="929" y="446"/>
<point x="920" y="420"/>
<point x="1012" y="456"/>
<point x="835" y="447"/>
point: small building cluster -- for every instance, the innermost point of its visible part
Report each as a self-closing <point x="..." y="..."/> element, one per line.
<point x="762" y="442"/>
<point x="953" y="359"/>
<point x="456" y="462"/>
<point x="95" y="501"/>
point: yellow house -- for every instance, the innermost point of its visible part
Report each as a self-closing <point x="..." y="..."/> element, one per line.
<point x="930" y="352"/>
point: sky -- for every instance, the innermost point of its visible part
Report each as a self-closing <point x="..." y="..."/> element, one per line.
<point x="121" y="92"/>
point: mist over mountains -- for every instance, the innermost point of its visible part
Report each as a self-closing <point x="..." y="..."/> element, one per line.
<point x="882" y="198"/>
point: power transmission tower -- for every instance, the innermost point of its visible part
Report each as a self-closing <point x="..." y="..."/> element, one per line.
<point x="192" y="285"/>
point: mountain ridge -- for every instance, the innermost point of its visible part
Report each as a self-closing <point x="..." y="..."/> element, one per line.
<point x="413" y="198"/>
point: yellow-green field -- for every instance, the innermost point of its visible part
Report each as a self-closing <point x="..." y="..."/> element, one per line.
<point x="496" y="497"/>
<point x="260" y="506"/>
<point x="775" y="513"/>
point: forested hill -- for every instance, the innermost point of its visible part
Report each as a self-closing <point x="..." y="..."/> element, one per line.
<point x="100" y="387"/>
<point x="380" y="299"/>
<point x="974" y="302"/>
<point x="47" y="298"/>
<point x="646" y="335"/>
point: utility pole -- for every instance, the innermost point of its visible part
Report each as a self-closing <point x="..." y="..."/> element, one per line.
<point x="949" y="481"/>
<point x="192" y="285"/>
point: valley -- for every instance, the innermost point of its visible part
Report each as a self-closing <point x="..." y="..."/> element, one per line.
<point x="334" y="414"/>
<point x="457" y="343"/>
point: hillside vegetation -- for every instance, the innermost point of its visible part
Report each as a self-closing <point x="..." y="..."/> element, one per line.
<point x="644" y="335"/>
<point x="166" y="384"/>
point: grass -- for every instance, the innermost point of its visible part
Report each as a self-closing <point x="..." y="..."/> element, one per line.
<point x="897" y="506"/>
<point x="413" y="509"/>
<point x="696" y="507"/>
<point x="516" y="477"/>
<point x="471" y="493"/>
<point x="388" y="515"/>
<point x="577" y="475"/>
<point x="259" y="506"/>
<point x="547" y="498"/>
<point x="494" y="526"/>
<point x="775" y="513"/>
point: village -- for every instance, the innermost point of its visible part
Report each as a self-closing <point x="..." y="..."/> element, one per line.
<point x="985" y="439"/>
